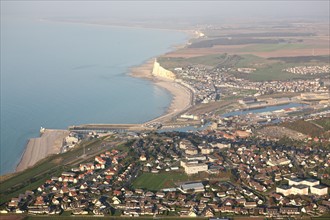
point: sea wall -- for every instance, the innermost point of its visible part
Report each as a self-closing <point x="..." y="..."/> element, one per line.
<point x="160" y="71"/>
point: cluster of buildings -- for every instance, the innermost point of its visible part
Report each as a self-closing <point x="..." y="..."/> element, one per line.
<point x="78" y="190"/>
<point x="257" y="171"/>
<point x="207" y="83"/>
<point x="201" y="81"/>
<point x="308" y="70"/>
<point x="298" y="186"/>
<point x="235" y="175"/>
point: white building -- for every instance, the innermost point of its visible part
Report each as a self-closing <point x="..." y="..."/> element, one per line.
<point x="300" y="190"/>
<point x="285" y="190"/>
<point x="191" y="151"/>
<point x="295" y="181"/>
<point x="193" y="167"/>
<point x="293" y="190"/>
<point x="319" y="190"/>
<point x="311" y="182"/>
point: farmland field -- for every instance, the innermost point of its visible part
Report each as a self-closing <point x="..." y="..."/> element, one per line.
<point x="266" y="69"/>
<point x="273" y="47"/>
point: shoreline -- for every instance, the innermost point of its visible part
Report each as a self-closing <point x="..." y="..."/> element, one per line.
<point x="47" y="144"/>
<point x="181" y="101"/>
<point x="50" y="142"/>
<point x="181" y="96"/>
<point x="189" y="32"/>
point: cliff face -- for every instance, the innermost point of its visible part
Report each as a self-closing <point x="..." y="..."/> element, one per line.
<point x="160" y="71"/>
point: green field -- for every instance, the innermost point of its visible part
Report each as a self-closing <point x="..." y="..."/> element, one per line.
<point x="273" y="47"/>
<point x="208" y="60"/>
<point x="155" y="182"/>
<point x="273" y="72"/>
<point x="271" y="69"/>
<point x="253" y="61"/>
<point x="266" y="69"/>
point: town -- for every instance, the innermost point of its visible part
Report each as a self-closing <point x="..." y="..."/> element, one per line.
<point x="308" y="70"/>
<point x="205" y="173"/>
<point x="207" y="84"/>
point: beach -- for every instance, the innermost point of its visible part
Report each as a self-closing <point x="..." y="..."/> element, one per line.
<point x="37" y="149"/>
<point x="182" y="96"/>
<point x="51" y="140"/>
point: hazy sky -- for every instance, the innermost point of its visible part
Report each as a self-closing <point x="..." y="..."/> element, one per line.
<point x="186" y="10"/>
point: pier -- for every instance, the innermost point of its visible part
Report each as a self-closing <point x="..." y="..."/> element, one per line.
<point x="104" y="128"/>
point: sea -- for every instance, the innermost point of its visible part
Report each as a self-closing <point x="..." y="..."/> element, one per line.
<point x="57" y="74"/>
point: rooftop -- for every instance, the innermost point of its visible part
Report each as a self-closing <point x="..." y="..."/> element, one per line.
<point x="192" y="186"/>
<point x="301" y="186"/>
<point x="320" y="186"/>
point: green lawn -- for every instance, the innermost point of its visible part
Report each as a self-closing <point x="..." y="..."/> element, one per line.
<point x="272" y="72"/>
<point x="253" y="61"/>
<point x="154" y="182"/>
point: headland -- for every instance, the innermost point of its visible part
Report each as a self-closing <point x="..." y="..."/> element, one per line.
<point x="181" y="95"/>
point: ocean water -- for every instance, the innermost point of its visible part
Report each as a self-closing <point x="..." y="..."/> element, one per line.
<point x="59" y="74"/>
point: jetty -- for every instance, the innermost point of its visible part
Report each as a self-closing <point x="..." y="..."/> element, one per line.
<point x="104" y="128"/>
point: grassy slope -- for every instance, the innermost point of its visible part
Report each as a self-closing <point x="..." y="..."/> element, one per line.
<point x="307" y="127"/>
<point x="33" y="177"/>
<point x="325" y="123"/>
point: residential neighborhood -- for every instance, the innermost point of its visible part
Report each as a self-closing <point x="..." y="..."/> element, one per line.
<point x="204" y="174"/>
<point x="206" y="84"/>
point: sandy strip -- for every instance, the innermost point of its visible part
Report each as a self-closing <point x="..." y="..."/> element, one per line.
<point x="182" y="96"/>
<point x="37" y="149"/>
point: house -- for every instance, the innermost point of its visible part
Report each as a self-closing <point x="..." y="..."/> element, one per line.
<point x="242" y="134"/>
<point x="289" y="211"/>
<point x="272" y="211"/>
<point x="160" y="195"/>
<point x="38" y="210"/>
<point x="184" y="144"/>
<point x="206" y="150"/>
<point x="191" y="151"/>
<point x="100" y="160"/>
<point x="143" y="157"/>
<point x="208" y="212"/>
<point x="250" y="205"/>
